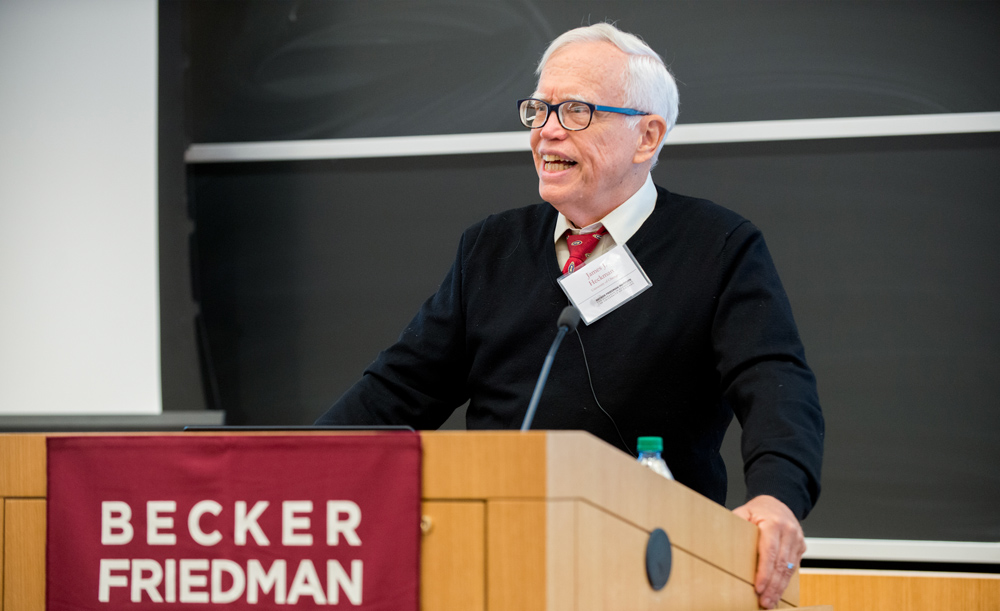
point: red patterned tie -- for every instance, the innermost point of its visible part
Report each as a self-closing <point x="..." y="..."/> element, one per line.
<point x="580" y="247"/>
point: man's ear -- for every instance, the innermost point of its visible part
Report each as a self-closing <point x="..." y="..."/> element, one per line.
<point x="652" y="130"/>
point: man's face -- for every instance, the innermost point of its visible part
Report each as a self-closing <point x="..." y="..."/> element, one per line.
<point x="589" y="172"/>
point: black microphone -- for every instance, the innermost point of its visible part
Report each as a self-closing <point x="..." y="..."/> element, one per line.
<point x="569" y="318"/>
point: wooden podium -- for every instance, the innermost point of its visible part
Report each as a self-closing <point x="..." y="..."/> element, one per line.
<point x="522" y="521"/>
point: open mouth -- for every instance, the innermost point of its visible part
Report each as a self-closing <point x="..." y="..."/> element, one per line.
<point x="554" y="163"/>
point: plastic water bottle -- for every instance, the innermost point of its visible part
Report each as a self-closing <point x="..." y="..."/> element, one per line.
<point x="649" y="455"/>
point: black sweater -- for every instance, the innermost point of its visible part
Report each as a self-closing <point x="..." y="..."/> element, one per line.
<point x="714" y="335"/>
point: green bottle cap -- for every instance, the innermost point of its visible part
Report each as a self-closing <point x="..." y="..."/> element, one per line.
<point x="650" y="444"/>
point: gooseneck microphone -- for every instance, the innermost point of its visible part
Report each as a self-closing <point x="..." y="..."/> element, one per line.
<point x="569" y="318"/>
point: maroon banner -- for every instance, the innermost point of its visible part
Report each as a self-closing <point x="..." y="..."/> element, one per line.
<point x="249" y="522"/>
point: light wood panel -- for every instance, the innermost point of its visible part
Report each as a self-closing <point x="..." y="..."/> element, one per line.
<point x="561" y="552"/>
<point x="22" y="465"/>
<point x="580" y="466"/>
<point x="22" y="536"/>
<point x="914" y="591"/>
<point x="608" y="478"/>
<point x="3" y="549"/>
<point x="516" y="555"/>
<point x="613" y="575"/>
<point x="483" y="464"/>
<point x="453" y="556"/>
<point x="24" y="574"/>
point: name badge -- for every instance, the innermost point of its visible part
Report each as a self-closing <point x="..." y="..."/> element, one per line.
<point x="604" y="284"/>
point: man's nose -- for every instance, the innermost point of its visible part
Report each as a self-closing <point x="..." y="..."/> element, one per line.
<point x="553" y="129"/>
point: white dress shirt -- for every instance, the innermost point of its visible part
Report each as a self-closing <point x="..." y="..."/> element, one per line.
<point x="621" y="223"/>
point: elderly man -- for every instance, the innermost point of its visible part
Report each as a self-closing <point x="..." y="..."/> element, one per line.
<point x="712" y="336"/>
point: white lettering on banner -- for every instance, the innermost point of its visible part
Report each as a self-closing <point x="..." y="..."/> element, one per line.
<point x="194" y="523"/>
<point x="106" y="581"/>
<point x="335" y="526"/>
<point x="273" y="578"/>
<point x="223" y="581"/>
<point x="336" y="579"/>
<point x="149" y="584"/>
<point x="170" y="580"/>
<point x="306" y="583"/>
<point x="116" y="515"/>
<point x="239" y="581"/>
<point x="247" y="523"/>
<point x="154" y="522"/>
<point x="342" y="519"/>
<point x="188" y="580"/>
<point x="148" y="579"/>
<point x="291" y="521"/>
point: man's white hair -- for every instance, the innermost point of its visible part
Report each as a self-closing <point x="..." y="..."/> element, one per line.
<point x="647" y="82"/>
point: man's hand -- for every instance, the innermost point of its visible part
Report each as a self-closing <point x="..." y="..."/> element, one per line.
<point x="780" y="544"/>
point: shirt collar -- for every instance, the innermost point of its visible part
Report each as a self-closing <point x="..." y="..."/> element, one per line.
<point x="623" y="221"/>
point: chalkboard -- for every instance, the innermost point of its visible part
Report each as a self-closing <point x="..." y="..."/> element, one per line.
<point x="341" y="69"/>
<point x="886" y="246"/>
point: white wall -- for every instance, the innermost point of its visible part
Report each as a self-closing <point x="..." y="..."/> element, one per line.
<point x="79" y="319"/>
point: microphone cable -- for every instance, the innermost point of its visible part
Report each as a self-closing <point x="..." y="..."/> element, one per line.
<point x="586" y="366"/>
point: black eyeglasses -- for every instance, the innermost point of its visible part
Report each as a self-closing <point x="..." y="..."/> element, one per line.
<point x="573" y="115"/>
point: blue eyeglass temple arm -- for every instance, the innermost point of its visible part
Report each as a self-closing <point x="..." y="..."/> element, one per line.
<point x="621" y="111"/>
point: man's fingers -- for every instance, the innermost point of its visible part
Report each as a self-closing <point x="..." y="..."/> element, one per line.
<point x="779" y="578"/>
<point x="768" y="549"/>
<point x="770" y="582"/>
<point x="780" y="542"/>
<point x="790" y="550"/>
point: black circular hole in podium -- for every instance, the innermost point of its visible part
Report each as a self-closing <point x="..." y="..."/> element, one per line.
<point x="658" y="559"/>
